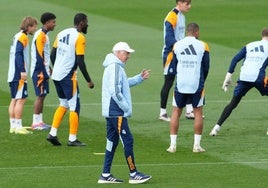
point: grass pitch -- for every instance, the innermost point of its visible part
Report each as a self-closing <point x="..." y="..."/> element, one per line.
<point x="235" y="158"/>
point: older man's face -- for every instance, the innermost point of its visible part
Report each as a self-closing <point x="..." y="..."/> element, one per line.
<point x="123" y="55"/>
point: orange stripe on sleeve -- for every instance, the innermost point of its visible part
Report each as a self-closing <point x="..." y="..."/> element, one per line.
<point x="80" y="45"/>
<point x="206" y="46"/>
<point x="24" y="39"/>
<point x="40" y="44"/>
<point x="172" y="18"/>
<point x="55" y="44"/>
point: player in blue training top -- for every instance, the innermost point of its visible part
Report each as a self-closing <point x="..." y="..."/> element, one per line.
<point x="174" y="30"/>
<point x="252" y="74"/>
<point x="40" y="70"/>
<point x="17" y="74"/>
<point x="192" y="66"/>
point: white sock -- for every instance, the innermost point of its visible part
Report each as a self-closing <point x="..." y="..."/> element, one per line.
<point x="173" y="140"/>
<point x="163" y="111"/>
<point x="18" y="123"/>
<point x="53" y="131"/>
<point x="133" y="174"/>
<point x="217" y="127"/>
<point x="12" y="123"/>
<point x="35" y="118"/>
<point x="41" y="118"/>
<point x="105" y="174"/>
<point x="197" y="139"/>
<point x="72" y="137"/>
<point x="189" y="108"/>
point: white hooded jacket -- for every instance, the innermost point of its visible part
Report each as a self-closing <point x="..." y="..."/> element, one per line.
<point x="116" y="96"/>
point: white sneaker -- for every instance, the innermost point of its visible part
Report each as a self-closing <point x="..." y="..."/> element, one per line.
<point x="189" y="115"/>
<point x="198" y="149"/>
<point x="40" y="126"/>
<point x="215" y="130"/>
<point x="171" y="149"/>
<point x="139" y="178"/>
<point x="267" y="132"/>
<point x="164" y="117"/>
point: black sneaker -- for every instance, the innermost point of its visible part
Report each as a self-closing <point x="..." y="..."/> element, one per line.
<point x="53" y="140"/>
<point x="75" y="143"/>
<point x="109" y="179"/>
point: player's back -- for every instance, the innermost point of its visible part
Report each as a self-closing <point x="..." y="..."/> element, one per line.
<point x="255" y="61"/>
<point x="189" y="52"/>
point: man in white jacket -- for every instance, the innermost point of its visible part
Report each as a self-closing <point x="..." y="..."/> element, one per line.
<point x="116" y="108"/>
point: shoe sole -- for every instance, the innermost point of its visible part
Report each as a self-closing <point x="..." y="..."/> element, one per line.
<point x="81" y="145"/>
<point x="139" y="181"/>
<point x="171" y="151"/>
<point x="40" y="128"/>
<point x="103" y="182"/>
<point x="193" y="117"/>
<point x="189" y="117"/>
<point x="213" y="133"/>
<point x="76" y="143"/>
<point x="198" y="150"/>
<point x="163" y="119"/>
<point x="23" y="133"/>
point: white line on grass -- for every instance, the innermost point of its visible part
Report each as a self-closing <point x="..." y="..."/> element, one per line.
<point x="155" y="103"/>
<point x="263" y="161"/>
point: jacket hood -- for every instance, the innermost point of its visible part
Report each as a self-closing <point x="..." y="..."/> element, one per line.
<point x="112" y="59"/>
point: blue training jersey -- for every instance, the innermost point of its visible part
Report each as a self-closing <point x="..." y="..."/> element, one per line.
<point x="255" y="55"/>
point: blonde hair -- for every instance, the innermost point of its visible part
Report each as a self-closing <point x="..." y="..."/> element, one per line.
<point x="28" y="22"/>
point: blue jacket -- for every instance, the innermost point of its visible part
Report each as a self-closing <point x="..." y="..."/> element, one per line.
<point x="116" y="96"/>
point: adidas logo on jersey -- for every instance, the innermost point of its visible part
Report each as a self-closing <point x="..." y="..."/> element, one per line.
<point x="189" y="51"/>
<point x="258" y="49"/>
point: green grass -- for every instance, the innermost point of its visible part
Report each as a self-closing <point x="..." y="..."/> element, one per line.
<point x="235" y="158"/>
